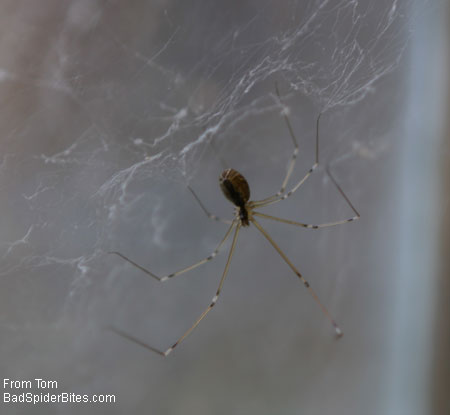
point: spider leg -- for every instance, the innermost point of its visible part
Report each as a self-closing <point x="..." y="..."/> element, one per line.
<point x="181" y="271"/>
<point x="305" y="283"/>
<point x="293" y="160"/>
<point x="322" y="225"/>
<point x="305" y="225"/>
<point x="210" y="216"/>
<point x="202" y="316"/>
<point x="134" y="340"/>
<point x="281" y="195"/>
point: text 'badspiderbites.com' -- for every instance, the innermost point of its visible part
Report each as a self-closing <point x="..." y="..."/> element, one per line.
<point x="39" y="390"/>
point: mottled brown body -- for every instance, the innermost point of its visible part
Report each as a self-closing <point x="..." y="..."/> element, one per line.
<point x="236" y="190"/>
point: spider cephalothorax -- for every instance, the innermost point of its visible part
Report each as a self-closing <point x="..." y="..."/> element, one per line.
<point x="237" y="191"/>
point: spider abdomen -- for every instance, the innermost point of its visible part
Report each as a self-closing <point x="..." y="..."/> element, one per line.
<point x="236" y="190"/>
<point x="234" y="187"/>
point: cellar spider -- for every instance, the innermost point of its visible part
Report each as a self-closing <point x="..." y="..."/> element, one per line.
<point x="236" y="189"/>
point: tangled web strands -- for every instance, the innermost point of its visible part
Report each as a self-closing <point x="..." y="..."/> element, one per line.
<point x="102" y="107"/>
<point x="327" y="53"/>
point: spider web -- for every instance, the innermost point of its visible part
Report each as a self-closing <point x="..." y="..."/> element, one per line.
<point x="110" y="110"/>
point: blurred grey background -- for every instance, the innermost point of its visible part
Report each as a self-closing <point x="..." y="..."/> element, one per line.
<point x="109" y="109"/>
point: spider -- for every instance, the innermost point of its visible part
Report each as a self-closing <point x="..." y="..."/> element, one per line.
<point x="236" y="189"/>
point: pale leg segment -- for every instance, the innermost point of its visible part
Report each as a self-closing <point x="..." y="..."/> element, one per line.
<point x="202" y="316"/>
<point x="337" y="329"/>
<point x="181" y="271"/>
